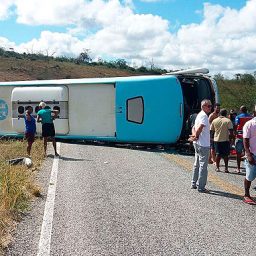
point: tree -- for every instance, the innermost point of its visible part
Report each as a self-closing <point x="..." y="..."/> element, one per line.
<point x="84" y="57"/>
<point x="218" y="76"/>
<point x="121" y="63"/>
<point x="142" y="69"/>
<point x="151" y="64"/>
<point x="2" y="51"/>
<point x="248" y="79"/>
<point x="238" y="76"/>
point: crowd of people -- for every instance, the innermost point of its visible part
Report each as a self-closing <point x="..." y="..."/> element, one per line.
<point x="215" y="135"/>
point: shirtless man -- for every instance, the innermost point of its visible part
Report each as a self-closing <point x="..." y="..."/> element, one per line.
<point x="212" y="116"/>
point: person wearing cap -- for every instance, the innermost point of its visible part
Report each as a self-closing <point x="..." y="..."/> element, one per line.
<point x="249" y="140"/>
<point x="44" y="115"/>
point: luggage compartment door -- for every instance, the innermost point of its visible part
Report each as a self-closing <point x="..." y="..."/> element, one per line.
<point x="55" y="97"/>
<point x="92" y="110"/>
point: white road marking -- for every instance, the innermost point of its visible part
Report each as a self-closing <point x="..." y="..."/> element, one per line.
<point x="44" y="247"/>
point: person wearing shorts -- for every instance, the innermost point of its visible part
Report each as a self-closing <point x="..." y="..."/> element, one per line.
<point x="44" y="116"/>
<point x="239" y="146"/>
<point x="249" y="139"/>
<point x="212" y="116"/>
<point x="222" y="128"/>
<point x="30" y="128"/>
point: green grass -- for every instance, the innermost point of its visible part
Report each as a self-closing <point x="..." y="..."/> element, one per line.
<point x="234" y="94"/>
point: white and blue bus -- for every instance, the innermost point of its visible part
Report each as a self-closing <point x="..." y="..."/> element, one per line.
<point x="139" y="109"/>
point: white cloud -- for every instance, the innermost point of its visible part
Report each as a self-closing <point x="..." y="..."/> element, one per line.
<point x="150" y="1"/>
<point x="154" y="1"/>
<point x="223" y="41"/>
<point x="239" y="22"/>
<point x="56" y="44"/>
<point x="120" y="32"/>
<point x="48" y="12"/>
<point x="6" y="44"/>
<point x="5" y="8"/>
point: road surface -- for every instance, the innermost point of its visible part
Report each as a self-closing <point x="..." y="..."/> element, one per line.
<point x="118" y="201"/>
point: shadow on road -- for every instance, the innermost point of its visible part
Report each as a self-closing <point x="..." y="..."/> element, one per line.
<point x="236" y="173"/>
<point x="133" y="146"/>
<point x="225" y="194"/>
<point x="70" y="158"/>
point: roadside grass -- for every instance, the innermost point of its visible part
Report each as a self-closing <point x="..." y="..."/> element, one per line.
<point x="17" y="185"/>
<point x="234" y="94"/>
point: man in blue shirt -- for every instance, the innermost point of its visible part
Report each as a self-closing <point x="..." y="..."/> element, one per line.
<point x="30" y="128"/>
<point x="44" y="115"/>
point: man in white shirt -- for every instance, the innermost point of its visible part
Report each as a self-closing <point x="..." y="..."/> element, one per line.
<point x="201" y="134"/>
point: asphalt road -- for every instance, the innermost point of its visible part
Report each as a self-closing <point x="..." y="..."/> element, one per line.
<point x="118" y="201"/>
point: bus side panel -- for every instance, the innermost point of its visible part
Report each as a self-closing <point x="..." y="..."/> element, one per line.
<point x="6" y="110"/>
<point x="162" y="102"/>
<point x="92" y="110"/>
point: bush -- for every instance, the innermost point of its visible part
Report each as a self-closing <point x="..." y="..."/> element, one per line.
<point x="235" y="93"/>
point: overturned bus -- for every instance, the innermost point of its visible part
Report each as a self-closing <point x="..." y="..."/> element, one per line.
<point x="139" y="109"/>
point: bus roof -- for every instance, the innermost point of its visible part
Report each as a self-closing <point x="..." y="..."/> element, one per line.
<point x="107" y="80"/>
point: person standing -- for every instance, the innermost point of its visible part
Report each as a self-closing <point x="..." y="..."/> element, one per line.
<point x="232" y="116"/>
<point x="44" y="115"/>
<point x="222" y="129"/>
<point x="249" y="140"/>
<point x="201" y="137"/>
<point x="239" y="122"/>
<point x="212" y="116"/>
<point x="30" y="128"/>
<point x="215" y="113"/>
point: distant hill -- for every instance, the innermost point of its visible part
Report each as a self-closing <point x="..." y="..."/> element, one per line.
<point x="12" y="69"/>
<point x="16" y="67"/>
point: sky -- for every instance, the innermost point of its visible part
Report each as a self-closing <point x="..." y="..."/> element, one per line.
<point x="174" y="34"/>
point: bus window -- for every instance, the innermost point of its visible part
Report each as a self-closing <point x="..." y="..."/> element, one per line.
<point x="26" y="108"/>
<point x="135" y="110"/>
<point x="21" y="110"/>
<point x="37" y="109"/>
<point x="56" y="108"/>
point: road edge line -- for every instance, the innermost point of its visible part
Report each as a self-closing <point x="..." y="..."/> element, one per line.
<point x="44" y="246"/>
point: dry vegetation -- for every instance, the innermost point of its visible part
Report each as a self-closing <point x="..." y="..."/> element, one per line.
<point x="17" y="185"/>
<point x="12" y="69"/>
